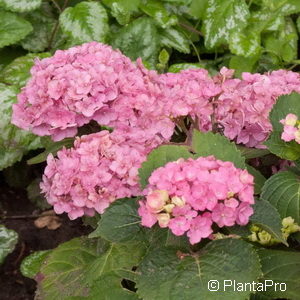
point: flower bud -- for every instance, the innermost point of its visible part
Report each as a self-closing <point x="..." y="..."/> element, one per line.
<point x="156" y="200"/>
<point x="253" y="237"/>
<point x="288" y="221"/>
<point x="264" y="238"/>
<point x="169" y="207"/>
<point x="178" y="201"/>
<point x="163" y="220"/>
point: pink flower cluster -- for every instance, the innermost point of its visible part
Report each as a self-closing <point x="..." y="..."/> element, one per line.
<point x="291" y="128"/>
<point x="189" y="196"/>
<point x="101" y="168"/>
<point x="75" y="86"/>
<point x="244" y="105"/>
<point x="95" y="82"/>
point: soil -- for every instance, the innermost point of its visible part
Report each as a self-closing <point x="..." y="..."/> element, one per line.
<point x="13" y="204"/>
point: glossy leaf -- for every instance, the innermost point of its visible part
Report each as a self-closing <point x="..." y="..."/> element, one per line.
<point x="85" y="22"/>
<point x="249" y="153"/>
<point x="282" y="190"/>
<point x="245" y="43"/>
<point x="20" y="5"/>
<point x="157" y="11"/>
<point x="120" y="222"/>
<point x="159" y="157"/>
<point x="206" y="144"/>
<point x="138" y="39"/>
<point x="31" y="264"/>
<point x="164" y="274"/>
<point x="259" y="179"/>
<point x="8" y="241"/>
<point x="174" y="38"/>
<point x="267" y="217"/>
<point x="13" y="28"/>
<point x="221" y="19"/>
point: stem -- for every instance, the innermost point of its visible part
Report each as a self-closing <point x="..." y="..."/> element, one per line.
<point x="191" y="29"/>
<point x="213" y="115"/>
<point x="56" y="5"/>
<point x="181" y="124"/>
<point x="26" y="216"/>
<point x="56" y="26"/>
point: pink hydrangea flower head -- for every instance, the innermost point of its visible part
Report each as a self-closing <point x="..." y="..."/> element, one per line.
<point x="219" y="194"/>
<point x="101" y="168"/>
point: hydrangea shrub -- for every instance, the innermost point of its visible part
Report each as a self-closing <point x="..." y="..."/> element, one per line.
<point x="173" y="170"/>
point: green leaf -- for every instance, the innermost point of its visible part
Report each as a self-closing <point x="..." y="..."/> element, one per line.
<point x="249" y="153"/>
<point x="14" y="142"/>
<point x="20" y="5"/>
<point x="35" y="195"/>
<point x="282" y="190"/>
<point x="281" y="267"/>
<point x="267" y="217"/>
<point x="75" y="266"/>
<point x="120" y="12"/>
<point x="174" y="38"/>
<point x="12" y="28"/>
<point x="8" y="241"/>
<point x="284" y="43"/>
<point x="31" y="264"/>
<point x="165" y="275"/>
<point x="43" y="24"/>
<point x="208" y="143"/>
<point x="18" y="72"/>
<point x="289" y="151"/>
<point x="163" y="57"/>
<point x="157" y="11"/>
<point x="120" y="222"/>
<point x="53" y="148"/>
<point x="138" y="39"/>
<point x="259" y="179"/>
<point x="85" y="22"/>
<point x="197" y="8"/>
<point x="245" y="43"/>
<point x="159" y="157"/>
<point x="287" y="104"/>
<point x="289" y="7"/>
<point x="178" y="67"/>
<point x="109" y="287"/>
<point x="242" y="64"/>
<point x="221" y="19"/>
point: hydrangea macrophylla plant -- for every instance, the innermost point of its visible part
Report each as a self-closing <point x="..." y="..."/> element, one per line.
<point x="166" y="164"/>
<point x="190" y="196"/>
<point x="95" y="82"/>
